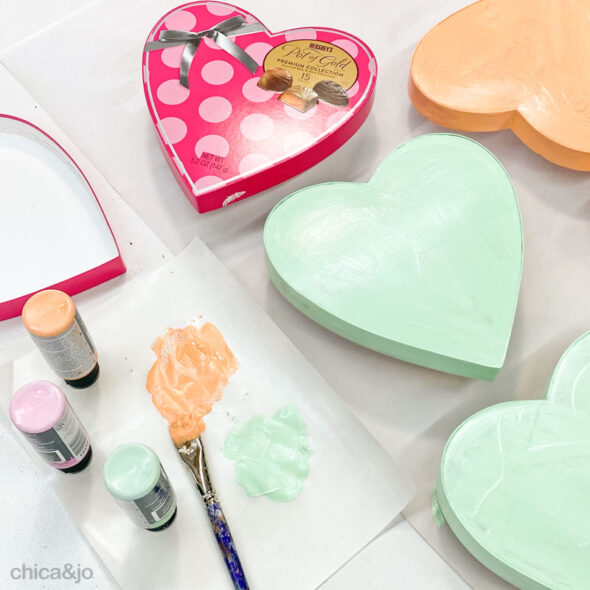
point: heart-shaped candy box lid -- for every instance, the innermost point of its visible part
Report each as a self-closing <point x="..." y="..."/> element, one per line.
<point x="227" y="133"/>
<point x="53" y="232"/>
<point x="514" y="482"/>
<point x="499" y="64"/>
<point x="422" y="263"/>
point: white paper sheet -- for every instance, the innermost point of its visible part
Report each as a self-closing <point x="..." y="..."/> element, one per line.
<point x="354" y="489"/>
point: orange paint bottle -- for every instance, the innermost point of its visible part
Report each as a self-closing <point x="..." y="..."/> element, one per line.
<point x="60" y="334"/>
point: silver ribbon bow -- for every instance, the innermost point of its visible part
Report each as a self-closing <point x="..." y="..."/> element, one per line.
<point x="219" y="34"/>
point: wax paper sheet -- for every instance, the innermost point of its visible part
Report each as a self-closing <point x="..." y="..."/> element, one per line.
<point x="354" y="489"/>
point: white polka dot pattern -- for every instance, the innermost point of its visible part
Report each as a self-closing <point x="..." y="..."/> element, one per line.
<point x="226" y="127"/>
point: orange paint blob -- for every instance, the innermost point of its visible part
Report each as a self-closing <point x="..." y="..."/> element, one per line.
<point x="48" y="313"/>
<point x="192" y="368"/>
<point x="500" y="64"/>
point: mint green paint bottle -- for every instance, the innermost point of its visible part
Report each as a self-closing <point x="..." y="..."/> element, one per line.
<point x="134" y="476"/>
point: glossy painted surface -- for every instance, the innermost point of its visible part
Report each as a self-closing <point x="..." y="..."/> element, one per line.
<point x="131" y="471"/>
<point x="422" y="263"/>
<point x="37" y="406"/>
<point x="272" y="455"/>
<point x="514" y="482"/>
<point x="48" y="313"/>
<point x="501" y="64"/>
<point x="133" y="475"/>
<point x="192" y="368"/>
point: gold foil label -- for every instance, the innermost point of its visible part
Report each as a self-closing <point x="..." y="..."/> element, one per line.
<point x="310" y="61"/>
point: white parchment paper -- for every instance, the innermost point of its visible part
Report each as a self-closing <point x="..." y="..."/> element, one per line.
<point x="354" y="489"/>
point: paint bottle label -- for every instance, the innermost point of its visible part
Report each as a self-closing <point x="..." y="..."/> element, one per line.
<point x="149" y="511"/>
<point x="70" y="354"/>
<point x="65" y="444"/>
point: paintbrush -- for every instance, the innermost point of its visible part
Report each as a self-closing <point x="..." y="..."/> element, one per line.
<point x="192" y="453"/>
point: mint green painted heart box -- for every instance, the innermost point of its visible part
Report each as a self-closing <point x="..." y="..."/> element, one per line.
<point x="514" y="482"/>
<point x="422" y="263"/>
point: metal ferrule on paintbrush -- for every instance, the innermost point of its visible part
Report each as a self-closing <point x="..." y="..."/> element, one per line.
<point x="192" y="453"/>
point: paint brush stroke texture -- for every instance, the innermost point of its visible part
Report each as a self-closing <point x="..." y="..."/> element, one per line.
<point x="514" y="481"/>
<point x="421" y="263"/>
<point x="193" y="366"/>
<point x="500" y="64"/>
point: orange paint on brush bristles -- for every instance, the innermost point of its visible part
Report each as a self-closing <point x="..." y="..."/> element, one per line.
<point x="192" y="368"/>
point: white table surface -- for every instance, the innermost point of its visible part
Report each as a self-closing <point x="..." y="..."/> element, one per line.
<point x="410" y="410"/>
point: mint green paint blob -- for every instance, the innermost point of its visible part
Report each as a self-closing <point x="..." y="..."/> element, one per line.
<point x="271" y="455"/>
<point x="514" y="482"/>
<point x="422" y="263"/>
<point x="133" y="475"/>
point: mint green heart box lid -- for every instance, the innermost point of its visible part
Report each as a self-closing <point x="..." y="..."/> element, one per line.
<point x="514" y="482"/>
<point x="422" y="263"/>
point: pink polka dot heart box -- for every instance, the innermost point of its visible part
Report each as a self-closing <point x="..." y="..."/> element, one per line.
<point x="238" y="109"/>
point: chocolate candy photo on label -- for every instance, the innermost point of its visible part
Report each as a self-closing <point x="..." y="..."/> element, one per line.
<point x="275" y="80"/>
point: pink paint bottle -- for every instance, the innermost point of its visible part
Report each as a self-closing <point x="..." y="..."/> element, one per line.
<point x="42" y="413"/>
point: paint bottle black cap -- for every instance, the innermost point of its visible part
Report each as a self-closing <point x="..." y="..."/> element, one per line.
<point x="80" y="466"/>
<point x="166" y="524"/>
<point x="86" y="380"/>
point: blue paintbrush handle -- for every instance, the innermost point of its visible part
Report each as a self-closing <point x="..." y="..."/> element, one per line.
<point x="226" y="544"/>
<point x="192" y="453"/>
